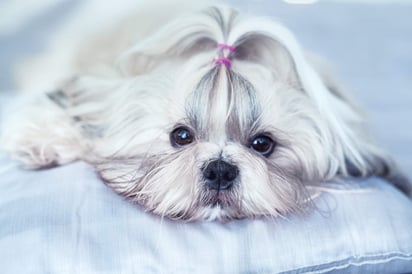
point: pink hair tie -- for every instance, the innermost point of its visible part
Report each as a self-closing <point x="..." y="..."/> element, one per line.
<point x="228" y="47"/>
<point x="223" y="61"/>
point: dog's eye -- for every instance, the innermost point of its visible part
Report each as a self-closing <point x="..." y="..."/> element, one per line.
<point x="263" y="144"/>
<point x="181" y="136"/>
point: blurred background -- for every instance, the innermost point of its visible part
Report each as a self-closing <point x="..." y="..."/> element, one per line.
<point x="368" y="44"/>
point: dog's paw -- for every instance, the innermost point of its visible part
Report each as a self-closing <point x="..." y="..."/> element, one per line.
<point x="41" y="135"/>
<point x="33" y="155"/>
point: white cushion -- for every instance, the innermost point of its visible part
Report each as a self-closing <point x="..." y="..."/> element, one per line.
<point x="65" y="220"/>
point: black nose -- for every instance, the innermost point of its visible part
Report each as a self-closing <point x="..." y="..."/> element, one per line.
<point x="220" y="175"/>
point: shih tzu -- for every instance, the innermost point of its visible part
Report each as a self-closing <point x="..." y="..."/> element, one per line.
<point x="212" y="115"/>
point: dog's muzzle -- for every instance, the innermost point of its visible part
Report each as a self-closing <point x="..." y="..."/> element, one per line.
<point x="220" y="175"/>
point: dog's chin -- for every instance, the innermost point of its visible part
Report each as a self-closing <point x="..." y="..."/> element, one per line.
<point x="214" y="205"/>
<point x="218" y="205"/>
<point x="216" y="212"/>
<point x="219" y="198"/>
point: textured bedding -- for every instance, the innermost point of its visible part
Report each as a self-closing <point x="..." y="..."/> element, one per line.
<point x="65" y="220"/>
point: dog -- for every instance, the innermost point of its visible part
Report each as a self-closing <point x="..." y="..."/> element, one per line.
<point x="211" y="115"/>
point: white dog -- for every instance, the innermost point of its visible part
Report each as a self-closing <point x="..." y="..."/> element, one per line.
<point x="212" y="115"/>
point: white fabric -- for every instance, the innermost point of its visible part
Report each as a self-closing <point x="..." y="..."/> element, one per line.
<point x="65" y="220"/>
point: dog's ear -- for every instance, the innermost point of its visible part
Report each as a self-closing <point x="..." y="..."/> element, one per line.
<point x="180" y="38"/>
<point x="385" y="168"/>
<point x="270" y="53"/>
<point x="345" y="137"/>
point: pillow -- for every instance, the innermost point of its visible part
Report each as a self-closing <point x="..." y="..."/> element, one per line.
<point x="65" y="220"/>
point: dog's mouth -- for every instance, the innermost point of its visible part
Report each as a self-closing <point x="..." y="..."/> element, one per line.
<point x="218" y="198"/>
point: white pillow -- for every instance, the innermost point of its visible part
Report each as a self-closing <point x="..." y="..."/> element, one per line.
<point x="65" y="220"/>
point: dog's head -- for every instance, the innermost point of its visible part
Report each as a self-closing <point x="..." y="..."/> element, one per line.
<point x="222" y="117"/>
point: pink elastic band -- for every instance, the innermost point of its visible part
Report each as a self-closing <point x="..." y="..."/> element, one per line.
<point x="223" y="61"/>
<point x="228" y="47"/>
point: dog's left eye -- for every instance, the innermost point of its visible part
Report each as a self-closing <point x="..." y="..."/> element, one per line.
<point x="181" y="136"/>
<point x="263" y="144"/>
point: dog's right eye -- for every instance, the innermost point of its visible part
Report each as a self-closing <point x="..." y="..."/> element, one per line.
<point x="181" y="136"/>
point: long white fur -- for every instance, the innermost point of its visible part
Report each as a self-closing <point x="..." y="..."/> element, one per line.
<point x="119" y="120"/>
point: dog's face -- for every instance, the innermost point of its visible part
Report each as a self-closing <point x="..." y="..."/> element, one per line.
<point x="210" y="143"/>
<point x="190" y="138"/>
